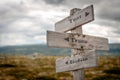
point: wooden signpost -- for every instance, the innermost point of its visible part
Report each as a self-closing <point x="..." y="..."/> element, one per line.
<point x="83" y="46"/>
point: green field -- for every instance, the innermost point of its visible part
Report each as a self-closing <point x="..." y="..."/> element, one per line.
<point x="19" y="67"/>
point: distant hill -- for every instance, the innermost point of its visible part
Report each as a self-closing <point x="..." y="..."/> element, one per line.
<point x="30" y="49"/>
<point x="43" y="49"/>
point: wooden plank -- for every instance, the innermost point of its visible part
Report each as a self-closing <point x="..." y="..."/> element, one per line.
<point x="79" y="18"/>
<point x="86" y="60"/>
<point x="69" y="40"/>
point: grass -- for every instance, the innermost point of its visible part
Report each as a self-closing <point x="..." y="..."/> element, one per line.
<point x="19" y="67"/>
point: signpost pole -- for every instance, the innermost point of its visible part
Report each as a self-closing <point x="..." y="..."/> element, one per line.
<point x="77" y="74"/>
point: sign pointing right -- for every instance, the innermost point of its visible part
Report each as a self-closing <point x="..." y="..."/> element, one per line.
<point x="79" y="18"/>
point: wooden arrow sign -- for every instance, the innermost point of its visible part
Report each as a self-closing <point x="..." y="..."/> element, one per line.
<point x="69" y="40"/>
<point x="86" y="60"/>
<point x="79" y="18"/>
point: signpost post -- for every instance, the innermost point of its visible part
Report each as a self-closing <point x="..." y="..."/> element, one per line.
<point x="79" y="73"/>
<point x="83" y="46"/>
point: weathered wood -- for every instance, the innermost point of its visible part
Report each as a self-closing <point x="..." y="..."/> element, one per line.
<point x="78" y="18"/>
<point x="85" y="60"/>
<point x="70" y="40"/>
<point x="78" y="74"/>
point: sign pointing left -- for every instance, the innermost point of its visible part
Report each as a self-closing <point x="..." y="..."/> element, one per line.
<point x="67" y="40"/>
<point x="86" y="60"/>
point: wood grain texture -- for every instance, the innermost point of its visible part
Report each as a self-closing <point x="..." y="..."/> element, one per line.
<point x="79" y="18"/>
<point x="79" y="74"/>
<point x="76" y="41"/>
<point x="86" y="60"/>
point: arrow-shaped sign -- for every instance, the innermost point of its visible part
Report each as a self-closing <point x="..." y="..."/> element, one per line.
<point x="79" y="18"/>
<point x="86" y="60"/>
<point x="64" y="40"/>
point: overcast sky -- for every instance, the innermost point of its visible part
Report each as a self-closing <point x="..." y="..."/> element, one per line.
<point x="26" y="21"/>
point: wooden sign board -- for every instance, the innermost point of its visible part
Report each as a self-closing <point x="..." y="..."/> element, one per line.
<point x="69" y="40"/>
<point x="86" y="60"/>
<point x="79" y="18"/>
